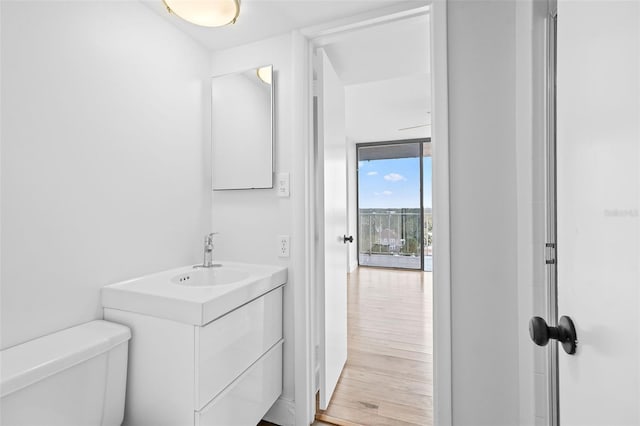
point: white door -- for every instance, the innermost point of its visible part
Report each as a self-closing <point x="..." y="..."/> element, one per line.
<point x="598" y="189"/>
<point x="332" y="223"/>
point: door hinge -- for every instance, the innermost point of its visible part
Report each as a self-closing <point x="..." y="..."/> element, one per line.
<point x="550" y="253"/>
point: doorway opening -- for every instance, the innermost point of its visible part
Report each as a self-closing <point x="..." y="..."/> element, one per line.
<point x="376" y="359"/>
<point x="388" y="374"/>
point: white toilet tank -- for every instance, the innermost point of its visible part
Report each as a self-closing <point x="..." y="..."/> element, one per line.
<point x="75" y="377"/>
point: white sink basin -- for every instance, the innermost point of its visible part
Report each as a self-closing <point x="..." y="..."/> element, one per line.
<point x="210" y="276"/>
<point x="194" y="295"/>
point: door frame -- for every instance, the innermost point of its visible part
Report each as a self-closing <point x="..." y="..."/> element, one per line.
<point x="552" y="214"/>
<point x="305" y="300"/>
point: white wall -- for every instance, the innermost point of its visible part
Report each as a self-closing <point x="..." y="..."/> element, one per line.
<point x="105" y="154"/>
<point x="524" y="180"/>
<point x="531" y="39"/>
<point x="482" y="101"/>
<point x="249" y="221"/>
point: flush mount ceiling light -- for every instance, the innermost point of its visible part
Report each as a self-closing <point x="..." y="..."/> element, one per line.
<point x="206" y="13"/>
<point x="264" y="74"/>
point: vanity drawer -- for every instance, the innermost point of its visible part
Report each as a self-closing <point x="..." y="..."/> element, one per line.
<point x="247" y="399"/>
<point x="229" y="345"/>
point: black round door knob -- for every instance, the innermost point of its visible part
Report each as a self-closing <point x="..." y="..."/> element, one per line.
<point x="565" y="333"/>
<point x="346" y="239"/>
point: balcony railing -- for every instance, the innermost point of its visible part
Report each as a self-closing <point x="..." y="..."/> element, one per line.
<point x="395" y="233"/>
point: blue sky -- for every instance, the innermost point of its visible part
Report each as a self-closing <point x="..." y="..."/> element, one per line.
<point x="393" y="183"/>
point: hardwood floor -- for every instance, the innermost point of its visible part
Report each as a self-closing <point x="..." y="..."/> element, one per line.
<point x="387" y="379"/>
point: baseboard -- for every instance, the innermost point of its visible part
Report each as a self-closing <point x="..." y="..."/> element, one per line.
<point x="283" y="412"/>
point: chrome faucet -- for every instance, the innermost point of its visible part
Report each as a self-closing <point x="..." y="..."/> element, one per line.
<point x="207" y="262"/>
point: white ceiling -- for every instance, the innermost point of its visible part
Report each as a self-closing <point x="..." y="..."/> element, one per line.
<point x="377" y="111"/>
<point x="384" y="66"/>
<point x="386" y="72"/>
<point x="260" y="19"/>
<point x="385" y="51"/>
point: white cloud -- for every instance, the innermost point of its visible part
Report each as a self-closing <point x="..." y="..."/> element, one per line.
<point x="394" y="177"/>
<point x="387" y="192"/>
<point x="372" y="173"/>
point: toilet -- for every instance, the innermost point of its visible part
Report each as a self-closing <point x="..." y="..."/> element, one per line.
<point x="74" y="377"/>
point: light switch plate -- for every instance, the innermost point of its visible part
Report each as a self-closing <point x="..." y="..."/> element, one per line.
<point x="283" y="184"/>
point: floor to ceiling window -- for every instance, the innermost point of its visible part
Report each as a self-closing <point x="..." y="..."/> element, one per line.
<point x="394" y="204"/>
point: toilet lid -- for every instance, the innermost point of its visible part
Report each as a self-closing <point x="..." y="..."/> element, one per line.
<point x="30" y="362"/>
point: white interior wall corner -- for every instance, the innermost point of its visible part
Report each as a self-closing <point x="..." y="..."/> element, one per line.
<point x="251" y="220"/>
<point x="524" y="178"/>
<point x="482" y="131"/>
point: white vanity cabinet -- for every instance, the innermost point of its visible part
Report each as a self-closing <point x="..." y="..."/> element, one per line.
<point x="225" y="372"/>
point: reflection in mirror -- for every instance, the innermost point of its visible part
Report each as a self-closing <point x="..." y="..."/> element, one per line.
<point x="242" y="129"/>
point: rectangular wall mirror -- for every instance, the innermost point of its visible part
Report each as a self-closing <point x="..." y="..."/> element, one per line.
<point x="242" y="129"/>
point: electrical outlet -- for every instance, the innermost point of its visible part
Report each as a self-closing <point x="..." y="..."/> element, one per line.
<point x="283" y="246"/>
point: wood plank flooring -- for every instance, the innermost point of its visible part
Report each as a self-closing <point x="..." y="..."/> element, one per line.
<point x="387" y="380"/>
